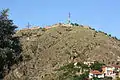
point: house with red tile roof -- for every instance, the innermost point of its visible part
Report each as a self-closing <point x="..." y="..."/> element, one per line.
<point x="109" y="71"/>
<point x="112" y="71"/>
<point x="96" y="73"/>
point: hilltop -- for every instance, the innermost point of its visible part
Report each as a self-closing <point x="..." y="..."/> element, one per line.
<point x="46" y="49"/>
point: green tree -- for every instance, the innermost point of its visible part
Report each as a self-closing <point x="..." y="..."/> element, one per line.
<point x="9" y="46"/>
<point x="5" y="12"/>
<point x="72" y="24"/>
<point x="110" y="35"/>
<point x="76" y="24"/>
<point x="83" y="76"/>
<point x="96" y="66"/>
<point x="95" y="78"/>
<point x="70" y="72"/>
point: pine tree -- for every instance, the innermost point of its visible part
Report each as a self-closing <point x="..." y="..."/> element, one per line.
<point x="9" y="46"/>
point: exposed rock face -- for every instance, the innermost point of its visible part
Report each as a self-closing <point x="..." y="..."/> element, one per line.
<point x="45" y="50"/>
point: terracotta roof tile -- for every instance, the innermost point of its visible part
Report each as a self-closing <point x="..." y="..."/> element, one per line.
<point x="96" y="72"/>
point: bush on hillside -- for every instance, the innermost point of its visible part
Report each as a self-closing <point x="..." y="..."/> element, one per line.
<point x="75" y="24"/>
<point x="105" y="33"/>
<point x="100" y="31"/>
<point x="92" y="28"/>
<point x="69" y="29"/>
<point x="115" y="38"/>
<point x="70" y="71"/>
<point x="109" y="35"/>
<point x="96" y="66"/>
<point x="44" y="29"/>
<point x="72" y="24"/>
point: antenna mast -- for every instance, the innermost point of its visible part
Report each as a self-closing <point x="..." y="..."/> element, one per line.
<point x="28" y="25"/>
<point x="69" y="15"/>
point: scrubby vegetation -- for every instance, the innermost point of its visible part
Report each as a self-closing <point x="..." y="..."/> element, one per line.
<point x="80" y="71"/>
<point x="96" y="66"/>
<point x="75" y="24"/>
<point x="70" y="72"/>
<point x="45" y="50"/>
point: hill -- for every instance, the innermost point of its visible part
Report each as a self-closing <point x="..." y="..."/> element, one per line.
<point x="46" y="49"/>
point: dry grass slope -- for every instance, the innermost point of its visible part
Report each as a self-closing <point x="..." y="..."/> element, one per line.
<point x="45" y="50"/>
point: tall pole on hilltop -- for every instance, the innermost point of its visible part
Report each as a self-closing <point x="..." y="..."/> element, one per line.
<point x="28" y="25"/>
<point x="69" y="15"/>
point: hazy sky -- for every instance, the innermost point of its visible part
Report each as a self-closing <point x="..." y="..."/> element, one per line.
<point x="100" y="14"/>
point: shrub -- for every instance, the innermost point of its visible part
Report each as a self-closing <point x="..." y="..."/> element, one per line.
<point x="92" y="28"/>
<point x="72" y="24"/>
<point x="96" y="66"/>
<point x="109" y="35"/>
<point x="68" y="29"/>
<point x="76" y="24"/>
<point x="100" y="31"/>
<point x="115" y="38"/>
<point x="44" y="29"/>
<point x="70" y="72"/>
<point x="105" y="33"/>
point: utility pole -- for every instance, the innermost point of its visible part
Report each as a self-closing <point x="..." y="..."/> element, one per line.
<point x="28" y="25"/>
<point x="69" y="15"/>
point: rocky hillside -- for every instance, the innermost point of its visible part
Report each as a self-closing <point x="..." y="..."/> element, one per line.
<point x="45" y="50"/>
